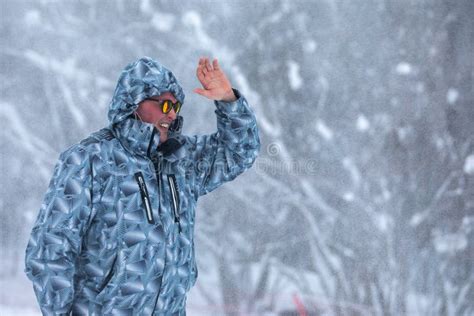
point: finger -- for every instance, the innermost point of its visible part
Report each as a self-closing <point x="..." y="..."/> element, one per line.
<point x="208" y="65"/>
<point x="199" y="68"/>
<point x="204" y="67"/>
<point x="215" y="64"/>
<point x="200" y="74"/>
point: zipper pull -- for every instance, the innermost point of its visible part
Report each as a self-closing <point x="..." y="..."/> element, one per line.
<point x="145" y="196"/>
<point x="174" y="199"/>
<point x="176" y="221"/>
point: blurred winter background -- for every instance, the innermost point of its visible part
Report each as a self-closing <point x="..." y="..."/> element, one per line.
<point x="362" y="199"/>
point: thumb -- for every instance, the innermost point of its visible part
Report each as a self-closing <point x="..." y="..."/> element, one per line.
<point x="203" y="92"/>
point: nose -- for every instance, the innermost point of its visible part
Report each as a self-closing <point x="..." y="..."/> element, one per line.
<point x="172" y="115"/>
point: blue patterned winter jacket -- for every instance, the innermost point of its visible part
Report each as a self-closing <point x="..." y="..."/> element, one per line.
<point x="115" y="232"/>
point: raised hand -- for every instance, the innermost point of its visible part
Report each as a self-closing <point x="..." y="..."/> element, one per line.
<point x="214" y="81"/>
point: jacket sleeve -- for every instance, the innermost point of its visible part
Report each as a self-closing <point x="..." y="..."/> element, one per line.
<point x="55" y="239"/>
<point x="223" y="155"/>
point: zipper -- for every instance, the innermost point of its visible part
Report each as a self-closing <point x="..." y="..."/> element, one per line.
<point x="145" y="197"/>
<point x="175" y="199"/>
<point x="158" y="294"/>
<point x="158" y="178"/>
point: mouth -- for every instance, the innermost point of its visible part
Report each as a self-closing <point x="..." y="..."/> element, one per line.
<point x="164" y="126"/>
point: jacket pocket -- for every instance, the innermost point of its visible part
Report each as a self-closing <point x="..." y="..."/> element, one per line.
<point x="145" y="197"/>
<point x="173" y="184"/>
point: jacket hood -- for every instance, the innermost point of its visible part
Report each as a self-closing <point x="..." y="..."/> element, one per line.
<point x="139" y="80"/>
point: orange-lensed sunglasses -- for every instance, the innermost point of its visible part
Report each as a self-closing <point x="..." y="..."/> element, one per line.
<point x="167" y="105"/>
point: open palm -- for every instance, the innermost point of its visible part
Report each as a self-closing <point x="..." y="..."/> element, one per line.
<point x="215" y="84"/>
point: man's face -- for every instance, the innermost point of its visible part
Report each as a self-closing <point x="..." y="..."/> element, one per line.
<point x="150" y="111"/>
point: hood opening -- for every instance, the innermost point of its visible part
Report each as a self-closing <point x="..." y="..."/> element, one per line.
<point x="139" y="80"/>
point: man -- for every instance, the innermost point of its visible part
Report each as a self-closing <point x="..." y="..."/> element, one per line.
<point x="115" y="232"/>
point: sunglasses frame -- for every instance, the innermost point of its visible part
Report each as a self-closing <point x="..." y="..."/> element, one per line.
<point x="173" y="105"/>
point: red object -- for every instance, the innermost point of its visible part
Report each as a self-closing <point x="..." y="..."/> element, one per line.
<point x="299" y="305"/>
